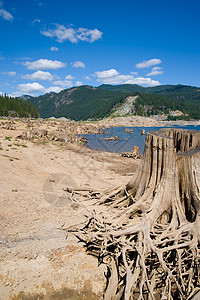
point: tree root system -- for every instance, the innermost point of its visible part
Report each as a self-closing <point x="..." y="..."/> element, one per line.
<point x="148" y="232"/>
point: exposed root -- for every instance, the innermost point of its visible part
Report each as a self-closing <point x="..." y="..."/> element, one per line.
<point x="151" y="244"/>
<point x="151" y="259"/>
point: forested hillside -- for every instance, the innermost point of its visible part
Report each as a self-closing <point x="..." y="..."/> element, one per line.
<point x="181" y="97"/>
<point x="87" y="102"/>
<point x="17" y="108"/>
<point x="79" y="103"/>
<point x="172" y="90"/>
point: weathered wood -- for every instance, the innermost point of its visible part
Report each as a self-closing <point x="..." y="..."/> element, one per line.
<point x="154" y="239"/>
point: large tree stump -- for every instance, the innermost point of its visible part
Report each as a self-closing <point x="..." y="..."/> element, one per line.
<point x="151" y="244"/>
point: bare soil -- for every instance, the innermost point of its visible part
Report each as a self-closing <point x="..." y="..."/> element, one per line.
<point x="38" y="258"/>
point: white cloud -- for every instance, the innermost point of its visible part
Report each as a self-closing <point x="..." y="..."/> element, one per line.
<point x="87" y="78"/>
<point x="89" y="35"/>
<point x="55" y="89"/>
<point x="30" y="88"/>
<point x="143" y="81"/>
<point x="25" y="58"/>
<point x="5" y="14"/>
<point x="112" y="76"/>
<point x="119" y="79"/>
<point x="36" y="21"/>
<point x="39" y="75"/>
<point x="62" y="33"/>
<point x="106" y="74"/>
<point x="149" y="63"/>
<point x="78" y="64"/>
<point x="66" y="83"/>
<point x="155" y="71"/>
<point x="54" y="49"/>
<point x="78" y="83"/>
<point x="35" y="88"/>
<point x="63" y="83"/>
<point x="134" y="73"/>
<point x="44" y="64"/>
<point x="156" y="68"/>
<point x="18" y="60"/>
<point x="69" y="77"/>
<point x="11" y="73"/>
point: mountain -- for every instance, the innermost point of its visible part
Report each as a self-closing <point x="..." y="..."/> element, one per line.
<point x="25" y="97"/>
<point x="78" y="103"/>
<point x="87" y="102"/>
<point x="160" y="89"/>
<point x="178" y="92"/>
<point x="186" y="98"/>
<point x="124" y="88"/>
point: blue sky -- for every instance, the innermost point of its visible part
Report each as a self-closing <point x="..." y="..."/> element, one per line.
<point x="49" y="45"/>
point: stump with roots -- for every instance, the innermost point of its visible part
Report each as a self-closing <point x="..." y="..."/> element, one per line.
<point x="151" y="244"/>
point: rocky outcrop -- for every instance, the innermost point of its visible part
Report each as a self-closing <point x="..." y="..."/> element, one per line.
<point x="128" y="107"/>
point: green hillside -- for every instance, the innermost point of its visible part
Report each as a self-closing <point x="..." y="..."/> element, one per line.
<point x="87" y="102"/>
<point x="81" y="103"/>
<point x="172" y="90"/>
<point x="17" y="108"/>
<point x="129" y="88"/>
<point x="182" y="97"/>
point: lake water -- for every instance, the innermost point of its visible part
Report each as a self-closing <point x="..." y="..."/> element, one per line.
<point x="126" y="140"/>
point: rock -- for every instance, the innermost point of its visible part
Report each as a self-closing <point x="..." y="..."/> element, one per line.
<point x="116" y="138"/>
<point x="83" y="139"/>
<point x="35" y="132"/>
<point x="135" y="150"/>
<point x="133" y="154"/>
<point x="43" y="132"/>
<point x="23" y="136"/>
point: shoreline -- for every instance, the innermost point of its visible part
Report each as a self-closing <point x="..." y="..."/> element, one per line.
<point x="137" y="121"/>
<point x="113" y="121"/>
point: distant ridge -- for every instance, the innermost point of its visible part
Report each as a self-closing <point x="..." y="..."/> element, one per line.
<point x="87" y="102"/>
<point x="160" y="89"/>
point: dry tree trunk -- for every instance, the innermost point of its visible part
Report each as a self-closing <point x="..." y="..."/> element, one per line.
<point x="152" y="243"/>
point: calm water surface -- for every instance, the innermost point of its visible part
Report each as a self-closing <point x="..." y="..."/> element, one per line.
<point x="126" y="140"/>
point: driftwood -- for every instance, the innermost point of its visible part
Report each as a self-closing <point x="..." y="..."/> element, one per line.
<point x="151" y="244"/>
<point x="133" y="154"/>
<point x="112" y="138"/>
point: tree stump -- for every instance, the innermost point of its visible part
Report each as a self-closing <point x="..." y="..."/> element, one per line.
<point x="151" y="244"/>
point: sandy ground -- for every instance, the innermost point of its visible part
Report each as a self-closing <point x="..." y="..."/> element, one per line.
<point x="38" y="259"/>
<point x="134" y="121"/>
<point x="137" y="121"/>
